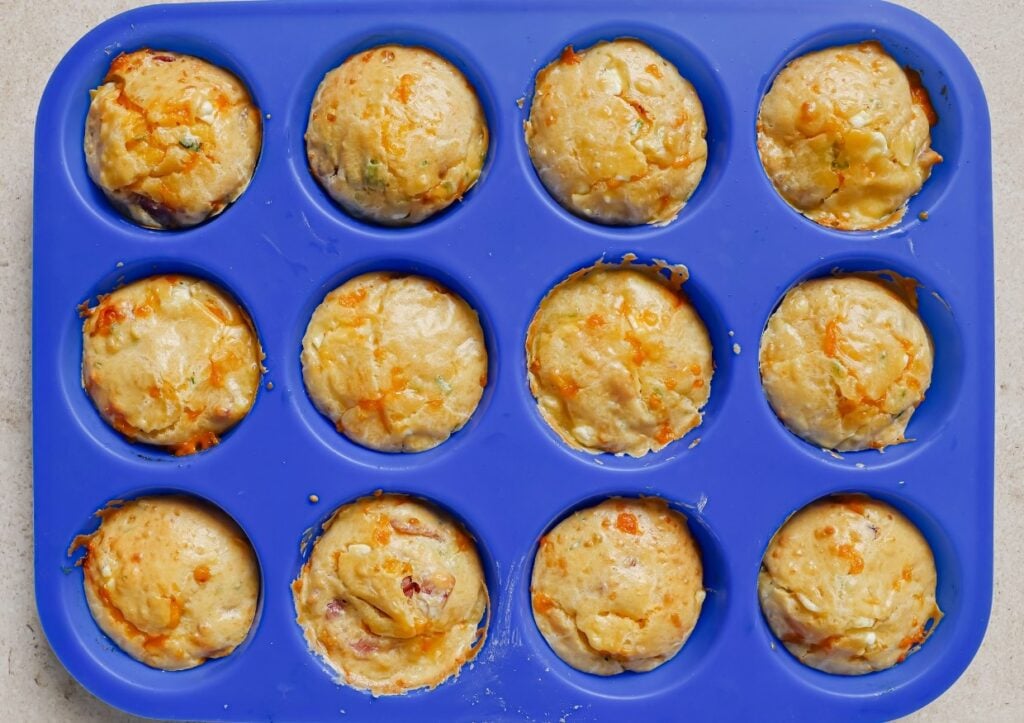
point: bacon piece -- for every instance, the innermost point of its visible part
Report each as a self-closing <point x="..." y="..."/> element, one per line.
<point x="365" y="647"/>
<point x="409" y="586"/>
<point x="334" y="608"/>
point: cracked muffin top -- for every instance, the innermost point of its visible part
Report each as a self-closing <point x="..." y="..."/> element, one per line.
<point x="846" y="360"/>
<point x="393" y="596"/>
<point x="171" y="139"/>
<point x="618" y="586"/>
<point x="396" y="134"/>
<point x="848" y="585"/>
<point x="619" y="360"/>
<point x="397" y="362"/>
<point x="171" y="361"/>
<point x="844" y="135"/>
<point x="171" y="580"/>
<point x="616" y="134"/>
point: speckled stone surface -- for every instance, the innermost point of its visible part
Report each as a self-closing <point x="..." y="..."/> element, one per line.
<point x="33" y="37"/>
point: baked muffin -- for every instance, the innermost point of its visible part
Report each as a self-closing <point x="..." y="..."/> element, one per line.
<point x="171" y="580"/>
<point x="396" y="134"/>
<point x="616" y="134"/>
<point x="397" y="362"/>
<point x="844" y="135"/>
<point x="618" y="360"/>
<point x="393" y="596"/>
<point x="171" y="139"/>
<point x="618" y="586"/>
<point x="170" y="361"/>
<point x="848" y="585"/>
<point x="846" y="360"/>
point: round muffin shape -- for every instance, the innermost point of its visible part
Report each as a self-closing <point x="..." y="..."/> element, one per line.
<point x="618" y="360"/>
<point x="396" y="134"/>
<point x="171" y="580"/>
<point x="845" y="361"/>
<point x="616" y="134"/>
<point x="171" y="139"/>
<point x="618" y="586"/>
<point x="393" y="596"/>
<point x="397" y="362"/>
<point x="848" y="585"/>
<point x="844" y="135"/>
<point x="170" y="361"/>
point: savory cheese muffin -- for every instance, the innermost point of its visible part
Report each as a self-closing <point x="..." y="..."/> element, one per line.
<point x="393" y="596"/>
<point x="619" y="360"/>
<point x="171" y="580"/>
<point x="171" y="139"/>
<point x="616" y="134"/>
<point x="397" y="362"/>
<point x="618" y="586"/>
<point x="396" y="134"/>
<point x="171" y="361"/>
<point x="848" y="586"/>
<point x="846" y="360"/>
<point x="844" y="135"/>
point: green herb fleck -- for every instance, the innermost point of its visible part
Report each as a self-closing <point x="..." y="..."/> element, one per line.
<point x="192" y="378"/>
<point x="190" y="142"/>
<point x="448" y="187"/>
<point x="373" y="174"/>
<point x="443" y="383"/>
<point x="638" y="125"/>
<point x="838" y="369"/>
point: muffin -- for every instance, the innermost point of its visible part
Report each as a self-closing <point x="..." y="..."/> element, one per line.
<point x="170" y="361"/>
<point x="397" y="362"/>
<point x="396" y="134"/>
<point x="618" y="360"/>
<point x="844" y="135"/>
<point x="172" y="581"/>
<point x="846" y="360"/>
<point x="393" y="596"/>
<point x="848" y="585"/>
<point x="171" y="139"/>
<point x="616" y="134"/>
<point x="618" y="586"/>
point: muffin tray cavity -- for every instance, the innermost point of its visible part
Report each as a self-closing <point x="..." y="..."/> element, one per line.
<point x="506" y="475"/>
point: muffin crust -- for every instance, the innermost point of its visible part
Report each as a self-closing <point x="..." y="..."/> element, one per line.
<point x="617" y="134"/>
<point x="393" y="596"/>
<point x="396" y="134"/>
<point x="397" y="362"/>
<point x="845" y="361"/>
<point x="848" y="585"/>
<point x="170" y="361"/>
<point x="171" y="580"/>
<point x="618" y="586"/>
<point x="619" y="360"/>
<point x="171" y="139"/>
<point x="844" y="135"/>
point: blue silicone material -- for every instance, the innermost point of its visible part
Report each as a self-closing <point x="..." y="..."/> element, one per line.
<point x="283" y="245"/>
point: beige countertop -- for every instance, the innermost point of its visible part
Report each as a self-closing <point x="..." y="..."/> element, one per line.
<point x="35" y="35"/>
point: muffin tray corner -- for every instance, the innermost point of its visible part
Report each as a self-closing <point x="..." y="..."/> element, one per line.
<point x="283" y="245"/>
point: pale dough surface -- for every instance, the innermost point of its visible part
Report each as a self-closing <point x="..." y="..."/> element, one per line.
<point x="171" y="361"/>
<point x="844" y="135"/>
<point x="173" y="581"/>
<point x="618" y="586"/>
<point x="396" y="134"/>
<point x="619" y="361"/>
<point x="393" y="596"/>
<point x="845" y="361"/>
<point x="171" y="139"/>
<point x="848" y="585"/>
<point x="397" y="362"/>
<point x="617" y="134"/>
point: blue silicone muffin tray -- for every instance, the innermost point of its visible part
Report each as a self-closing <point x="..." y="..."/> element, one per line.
<point x="283" y="245"/>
